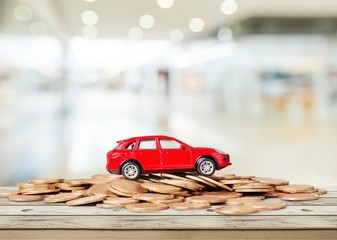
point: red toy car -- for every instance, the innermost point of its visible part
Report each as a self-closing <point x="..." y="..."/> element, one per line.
<point x="151" y="154"/>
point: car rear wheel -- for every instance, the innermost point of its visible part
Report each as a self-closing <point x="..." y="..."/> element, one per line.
<point x="206" y="167"/>
<point x="131" y="170"/>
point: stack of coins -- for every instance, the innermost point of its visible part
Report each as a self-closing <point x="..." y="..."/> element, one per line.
<point x="36" y="189"/>
<point x="229" y="193"/>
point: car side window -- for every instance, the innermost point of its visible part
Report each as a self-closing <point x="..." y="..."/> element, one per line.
<point x="169" y="144"/>
<point x="147" y="144"/>
<point x="130" y="146"/>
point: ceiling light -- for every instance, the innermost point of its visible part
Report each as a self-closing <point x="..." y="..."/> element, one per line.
<point x="89" y="17"/>
<point x="229" y="7"/>
<point x="146" y="21"/>
<point x="196" y="24"/>
<point x="23" y="13"/>
<point x="89" y="0"/>
<point x="38" y="28"/>
<point x="176" y="36"/>
<point x="89" y="31"/>
<point x="165" y="3"/>
<point x="136" y="33"/>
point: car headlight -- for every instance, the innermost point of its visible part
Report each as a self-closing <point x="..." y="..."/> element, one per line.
<point x="219" y="151"/>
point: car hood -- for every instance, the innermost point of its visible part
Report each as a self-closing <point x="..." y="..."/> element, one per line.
<point x="209" y="150"/>
<point x="204" y="149"/>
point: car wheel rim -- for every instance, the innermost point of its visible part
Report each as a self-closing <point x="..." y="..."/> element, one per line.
<point x="131" y="171"/>
<point x="206" y="167"/>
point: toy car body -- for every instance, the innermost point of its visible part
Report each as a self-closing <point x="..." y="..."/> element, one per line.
<point x="159" y="153"/>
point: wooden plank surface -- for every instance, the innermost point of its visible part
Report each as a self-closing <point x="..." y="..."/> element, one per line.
<point x="95" y="211"/>
<point x="314" y="215"/>
<point x="169" y="222"/>
<point x="166" y="234"/>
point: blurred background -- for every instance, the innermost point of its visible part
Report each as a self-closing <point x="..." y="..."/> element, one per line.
<point x="254" y="78"/>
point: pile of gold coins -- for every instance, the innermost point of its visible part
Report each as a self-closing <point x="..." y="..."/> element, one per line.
<point x="229" y="193"/>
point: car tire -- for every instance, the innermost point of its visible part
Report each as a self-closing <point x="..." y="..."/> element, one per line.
<point x="131" y="170"/>
<point x="206" y="167"/>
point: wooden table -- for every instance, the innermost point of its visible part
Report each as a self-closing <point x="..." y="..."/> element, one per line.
<point x="39" y="220"/>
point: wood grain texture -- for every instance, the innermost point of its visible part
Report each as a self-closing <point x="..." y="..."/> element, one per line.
<point x="166" y="234"/>
<point x="168" y="222"/>
<point x="94" y="211"/>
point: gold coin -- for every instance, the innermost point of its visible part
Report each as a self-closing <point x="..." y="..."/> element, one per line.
<point x="183" y="193"/>
<point x="272" y="181"/>
<point x="321" y="191"/>
<point x="119" y="193"/>
<point x="236" y="181"/>
<point x="152" y="196"/>
<point x="143" y="180"/>
<point x="295" y="188"/>
<point x="86" y="200"/>
<point x="236" y="210"/>
<point x="168" y="201"/>
<point x="104" y="205"/>
<point x="196" y="193"/>
<point x="46" y="180"/>
<point x="67" y="187"/>
<point x="24" y="186"/>
<point x="39" y="191"/>
<point x="257" y="197"/>
<point x="78" y="182"/>
<point x="203" y="181"/>
<point x="146" y="207"/>
<point x="160" y="187"/>
<point x="266" y="205"/>
<point x="63" y="197"/>
<point x="216" y="183"/>
<point x="182" y="183"/>
<point x="127" y="186"/>
<point x="224" y="194"/>
<point x="273" y="194"/>
<point x="25" y="198"/>
<point x="253" y="190"/>
<point x="300" y="197"/>
<point x="120" y="201"/>
<point x="172" y="176"/>
<point x="221" y="176"/>
<point x="189" y="206"/>
<point x="100" y="189"/>
<point x="206" y="199"/>
<point x="241" y="201"/>
<point x="246" y="177"/>
<point x="253" y="185"/>
<point x="7" y="192"/>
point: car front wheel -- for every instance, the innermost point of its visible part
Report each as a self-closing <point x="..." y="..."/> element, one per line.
<point x="131" y="170"/>
<point x="206" y="167"/>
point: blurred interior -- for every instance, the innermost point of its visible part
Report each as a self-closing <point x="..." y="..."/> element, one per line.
<point x="257" y="79"/>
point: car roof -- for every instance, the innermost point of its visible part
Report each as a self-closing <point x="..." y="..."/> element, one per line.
<point x="146" y="137"/>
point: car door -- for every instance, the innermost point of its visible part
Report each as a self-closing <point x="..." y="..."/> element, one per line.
<point x="175" y="155"/>
<point x="148" y="154"/>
